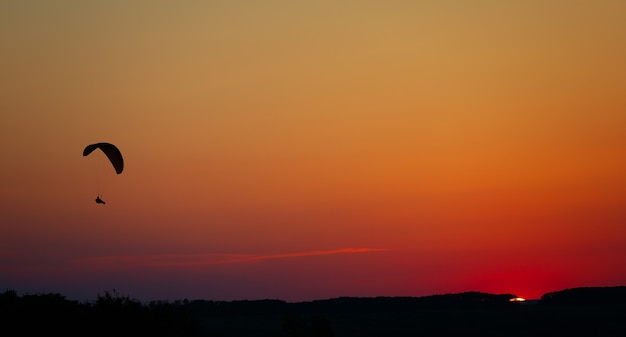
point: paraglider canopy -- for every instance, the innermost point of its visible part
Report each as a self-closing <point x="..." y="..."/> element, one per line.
<point x="111" y="151"/>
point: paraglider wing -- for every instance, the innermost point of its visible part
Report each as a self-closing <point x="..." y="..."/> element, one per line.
<point x="111" y="151"/>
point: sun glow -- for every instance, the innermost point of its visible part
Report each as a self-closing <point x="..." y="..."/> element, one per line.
<point x="517" y="299"/>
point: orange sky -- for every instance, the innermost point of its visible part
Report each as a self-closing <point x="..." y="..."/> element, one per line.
<point x="279" y="149"/>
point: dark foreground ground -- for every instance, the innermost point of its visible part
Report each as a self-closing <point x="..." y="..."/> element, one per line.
<point x="571" y="312"/>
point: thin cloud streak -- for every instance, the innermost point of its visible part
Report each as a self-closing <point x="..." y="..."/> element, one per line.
<point x="196" y="260"/>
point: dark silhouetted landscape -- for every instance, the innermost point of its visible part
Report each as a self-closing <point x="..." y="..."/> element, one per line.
<point x="591" y="311"/>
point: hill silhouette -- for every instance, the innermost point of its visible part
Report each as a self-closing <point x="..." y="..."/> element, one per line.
<point x="598" y="311"/>
<point x="587" y="296"/>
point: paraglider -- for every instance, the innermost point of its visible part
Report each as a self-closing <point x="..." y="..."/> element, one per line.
<point x="111" y="151"/>
<point x="113" y="155"/>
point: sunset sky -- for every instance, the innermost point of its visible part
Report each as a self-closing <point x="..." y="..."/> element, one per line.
<point x="303" y="150"/>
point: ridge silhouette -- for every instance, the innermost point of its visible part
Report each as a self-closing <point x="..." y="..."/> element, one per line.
<point x="589" y="311"/>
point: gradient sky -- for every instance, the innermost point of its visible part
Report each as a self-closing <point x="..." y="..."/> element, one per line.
<point x="301" y="150"/>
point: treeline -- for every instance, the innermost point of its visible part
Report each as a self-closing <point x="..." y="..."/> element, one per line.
<point x="109" y="315"/>
<point x="597" y="311"/>
<point x="348" y="304"/>
<point x="112" y="314"/>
